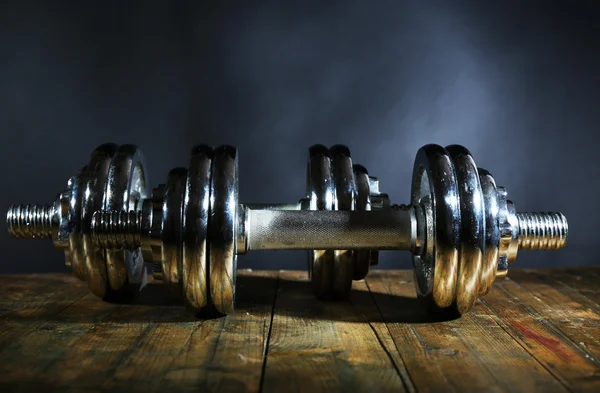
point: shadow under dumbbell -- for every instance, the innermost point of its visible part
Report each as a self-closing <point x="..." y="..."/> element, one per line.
<point x="294" y="298"/>
<point x="256" y="294"/>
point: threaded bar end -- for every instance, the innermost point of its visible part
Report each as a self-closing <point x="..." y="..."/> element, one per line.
<point x="117" y="229"/>
<point x="542" y="231"/>
<point x="30" y="221"/>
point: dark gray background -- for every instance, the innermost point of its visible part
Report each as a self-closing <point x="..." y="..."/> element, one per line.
<point x="518" y="83"/>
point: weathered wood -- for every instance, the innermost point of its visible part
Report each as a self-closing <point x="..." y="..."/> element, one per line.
<point x="28" y="301"/>
<point x="95" y="345"/>
<point x="581" y="283"/>
<point x="472" y="353"/>
<point x="227" y="354"/>
<point x="539" y="330"/>
<point x="534" y="332"/>
<point x="575" y="316"/>
<point x="330" y="347"/>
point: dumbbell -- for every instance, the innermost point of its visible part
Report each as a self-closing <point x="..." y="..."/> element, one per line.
<point x="460" y="227"/>
<point x="114" y="178"/>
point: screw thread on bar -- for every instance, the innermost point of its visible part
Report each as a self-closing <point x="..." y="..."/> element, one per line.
<point x="117" y="229"/>
<point x="542" y="231"/>
<point x="30" y="221"/>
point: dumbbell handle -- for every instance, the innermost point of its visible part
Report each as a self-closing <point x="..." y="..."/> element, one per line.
<point x="389" y="229"/>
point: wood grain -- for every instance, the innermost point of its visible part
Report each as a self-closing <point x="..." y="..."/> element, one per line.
<point x="538" y="330"/>
<point x="574" y="315"/>
<point x="227" y="354"/>
<point x="472" y="353"/>
<point x="28" y="301"/>
<point x="330" y="347"/>
<point x="536" y="333"/>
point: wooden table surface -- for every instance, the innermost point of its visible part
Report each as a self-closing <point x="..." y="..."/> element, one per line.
<point x="538" y="330"/>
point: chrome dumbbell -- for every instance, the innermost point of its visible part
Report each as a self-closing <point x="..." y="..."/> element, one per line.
<point x="114" y="178"/>
<point x="459" y="226"/>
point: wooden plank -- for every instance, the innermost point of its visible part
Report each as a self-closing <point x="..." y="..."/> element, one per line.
<point x="538" y="330"/>
<point x="541" y="339"/>
<point x="27" y="302"/>
<point x="323" y="346"/>
<point x="579" y="286"/>
<point x="136" y="347"/>
<point x="141" y="367"/>
<point x="472" y="353"/>
<point x="582" y="283"/>
<point x="26" y="363"/>
<point x="362" y="299"/>
<point x="576" y="320"/>
<point x="72" y="351"/>
<point x="226" y="354"/>
<point x="25" y="288"/>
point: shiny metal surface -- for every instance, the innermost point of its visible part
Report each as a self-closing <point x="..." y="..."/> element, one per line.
<point x="345" y="193"/>
<point x="506" y="232"/>
<point x="362" y="258"/>
<point x="353" y="230"/>
<point x="472" y="228"/>
<point x="451" y="224"/>
<point x="116" y="230"/>
<point x="489" y="265"/>
<point x="274" y="206"/>
<point x="196" y="205"/>
<point x="222" y="228"/>
<point x="95" y="180"/>
<point x="74" y="254"/>
<point x="502" y="268"/>
<point x="423" y="256"/>
<point x="542" y="231"/>
<point x="61" y="215"/>
<point x="513" y="247"/>
<point x="379" y="200"/>
<point x="126" y="184"/>
<point x="152" y="228"/>
<point x="30" y="221"/>
<point x="320" y="195"/>
<point x="172" y="229"/>
<point x="242" y="232"/>
<point x="434" y="177"/>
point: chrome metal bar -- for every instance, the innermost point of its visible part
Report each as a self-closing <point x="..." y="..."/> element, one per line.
<point x="390" y="229"/>
<point x="273" y="206"/>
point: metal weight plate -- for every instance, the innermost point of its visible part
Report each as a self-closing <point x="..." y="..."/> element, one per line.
<point x="434" y="186"/>
<point x="345" y="192"/>
<point x="196" y="203"/>
<point x="507" y="236"/>
<point x="126" y="185"/>
<point x="472" y="231"/>
<point x="222" y="229"/>
<point x="74" y="255"/>
<point x="171" y="254"/>
<point x="320" y="195"/>
<point x="362" y="258"/>
<point x="489" y="266"/>
<point x="95" y="180"/>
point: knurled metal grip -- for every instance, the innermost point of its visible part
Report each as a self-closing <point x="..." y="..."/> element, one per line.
<point x="459" y="226"/>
